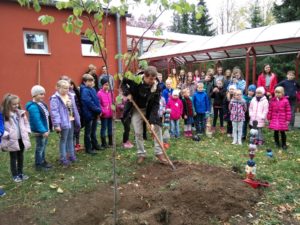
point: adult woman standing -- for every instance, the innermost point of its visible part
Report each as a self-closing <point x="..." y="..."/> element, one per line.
<point x="267" y="80"/>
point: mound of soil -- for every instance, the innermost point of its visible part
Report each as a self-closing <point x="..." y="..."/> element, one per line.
<point x="192" y="194"/>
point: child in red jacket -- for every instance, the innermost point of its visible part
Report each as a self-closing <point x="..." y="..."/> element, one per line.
<point x="175" y="104"/>
<point x="279" y="116"/>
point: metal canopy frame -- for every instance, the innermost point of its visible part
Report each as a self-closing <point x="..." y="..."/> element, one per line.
<point x="283" y="38"/>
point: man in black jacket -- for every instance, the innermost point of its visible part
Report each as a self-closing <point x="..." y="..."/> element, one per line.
<point x="144" y="90"/>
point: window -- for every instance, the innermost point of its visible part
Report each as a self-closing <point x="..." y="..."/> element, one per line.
<point x="35" y="42"/>
<point x="87" y="47"/>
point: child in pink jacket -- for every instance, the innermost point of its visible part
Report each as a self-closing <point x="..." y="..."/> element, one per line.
<point x="105" y="99"/>
<point x="15" y="139"/>
<point x="279" y="116"/>
<point x="175" y="104"/>
<point x="258" y="110"/>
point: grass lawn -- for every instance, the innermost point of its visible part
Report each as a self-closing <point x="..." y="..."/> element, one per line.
<point x="280" y="201"/>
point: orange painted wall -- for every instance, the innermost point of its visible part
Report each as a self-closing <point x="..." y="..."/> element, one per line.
<point x="19" y="71"/>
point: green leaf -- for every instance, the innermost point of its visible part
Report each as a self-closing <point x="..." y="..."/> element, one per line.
<point x="119" y="56"/>
<point x="45" y="19"/>
<point x="113" y="107"/>
<point x="119" y="99"/>
<point x="98" y="16"/>
<point x="77" y="31"/>
<point x="36" y="5"/>
<point x="78" y="23"/>
<point x="70" y="18"/>
<point x="77" y="11"/>
<point x="60" y="5"/>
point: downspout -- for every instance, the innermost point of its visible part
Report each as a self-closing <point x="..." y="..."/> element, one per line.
<point x="119" y="45"/>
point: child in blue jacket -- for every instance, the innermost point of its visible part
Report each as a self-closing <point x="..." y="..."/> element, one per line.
<point x="39" y="124"/>
<point x="202" y="107"/>
<point x="2" y="192"/>
<point x="90" y="112"/>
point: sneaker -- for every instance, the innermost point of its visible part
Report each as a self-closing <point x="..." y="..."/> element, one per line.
<point x="234" y="143"/>
<point x="23" y="176"/>
<point x="213" y="129"/>
<point x="127" y="145"/>
<point x="77" y="147"/>
<point x="140" y="159"/>
<point x="186" y="134"/>
<point x="46" y="165"/>
<point x="17" y="179"/>
<point x="284" y="147"/>
<point x="91" y="152"/>
<point x="240" y="143"/>
<point x="228" y="135"/>
<point x="190" y="134"/>
<point x="2" y="192"/>
<point x="73" y="159"/>
<point x="65" y="162"/>
<point x="222" y="130"/>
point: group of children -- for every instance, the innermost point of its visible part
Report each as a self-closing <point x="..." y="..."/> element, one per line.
<point x="239" y="108"/>
<point x="66" y="115"/>
<point x="70" y="110"/>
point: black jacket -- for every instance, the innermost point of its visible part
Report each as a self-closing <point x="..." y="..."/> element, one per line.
<point x="145" y="96"/>
<point x="218" y="97"/>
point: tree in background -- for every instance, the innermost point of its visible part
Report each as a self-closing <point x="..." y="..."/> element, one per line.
<point x="256" y="19"/>
<point x="289" y="10"/>
<point x="202" y="26"/>
<point x="191" y="23"/>
<point x="176" y="23"/>
<point x="184" y="24"/>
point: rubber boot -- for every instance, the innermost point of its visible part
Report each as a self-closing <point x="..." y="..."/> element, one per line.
<point x="103" y="141"/>
<point x="110" y="141"/>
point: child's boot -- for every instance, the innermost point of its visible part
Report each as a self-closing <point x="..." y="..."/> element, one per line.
<point x="186" y="134"/>
<point x="110" y="141"/>
<point x="284" y="146"/>
<point x="103" y="142"/>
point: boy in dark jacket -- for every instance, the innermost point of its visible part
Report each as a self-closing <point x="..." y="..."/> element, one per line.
<point x="290" y="89"/>
<point x="39" y="125"/>
<point x="218" y="94"/>
<point x="90" y="112"/>
<point x="146" y="93"/>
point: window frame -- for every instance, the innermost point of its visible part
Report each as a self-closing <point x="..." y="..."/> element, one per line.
<point x="44" y="51"/>
<point x="90" y="44"/>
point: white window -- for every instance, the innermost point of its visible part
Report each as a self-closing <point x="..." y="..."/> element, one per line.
<point x="35" y="42"/>
<point x="87" y="47"/>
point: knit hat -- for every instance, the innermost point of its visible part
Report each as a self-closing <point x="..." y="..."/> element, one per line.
<point x="261" y="90"/>
<point x="232" y="87"/>
<point x="104" y="80"/>
<point x="252" y="88"/>
<point x="176" y="92"/>
<point x="36" y="90"/>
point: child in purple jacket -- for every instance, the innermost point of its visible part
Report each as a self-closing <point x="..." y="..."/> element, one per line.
<point x="237" y="108"/>
<point x="105" y="100"/>
<point x="65" y="117"/>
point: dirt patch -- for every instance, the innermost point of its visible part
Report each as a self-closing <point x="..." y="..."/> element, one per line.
<point x="192" y="194"/>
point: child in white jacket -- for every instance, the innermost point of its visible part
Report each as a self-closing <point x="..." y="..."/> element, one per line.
<point x="258" y="110"/>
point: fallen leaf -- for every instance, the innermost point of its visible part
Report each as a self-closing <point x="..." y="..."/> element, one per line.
<point x="59" y="190"/>
<point x="53" y="186"/>
<point x="52" y="210"/>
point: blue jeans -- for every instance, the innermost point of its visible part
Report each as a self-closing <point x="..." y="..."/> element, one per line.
<point x="200" y="123"/>
<point x="40" y="148"/>
<point x="66" y="144"/>
<point x="106" y="124"/>
<point x="90" y="139"/>
<point x="174" y="130"/>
